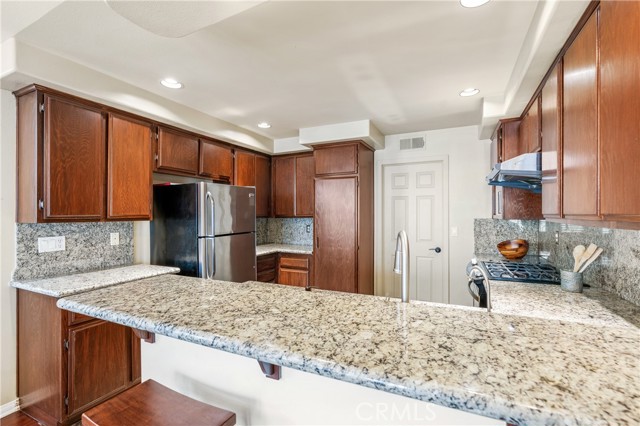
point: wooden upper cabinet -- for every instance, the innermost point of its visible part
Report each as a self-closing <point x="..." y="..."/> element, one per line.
<point x="620" y="110"/>
<point x="216" y="161"/>
<point x="304" y="186"/>
<point x="580" y="118"/>
<point x="263" y="186"/>
<point x="74" y="161"/>
<point x="284" y="186"/>
<point x="293" y="186"/>
<point x="530" y="129"/>
<point x="245" y="168"/>
<point x="129" y="169"/>
<point x="552" y="144"/>
<point x="177" y="152"/>
<point x="331" y="160"/>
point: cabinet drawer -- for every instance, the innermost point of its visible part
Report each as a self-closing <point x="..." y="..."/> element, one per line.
<point x="295" y="263"/>
<point x="75" y="318"/>
<point x="266" y="262"/>
<point x="293" y="277"/>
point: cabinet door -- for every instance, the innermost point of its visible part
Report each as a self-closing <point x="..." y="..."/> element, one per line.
<point x="335" y="226"/>
<point x="263" y="186"/>
<point x="216" y="161"/>
<point x="304" y="186"/>
<point x="177" y="152"/>
<point x="74" y="161"/>
<point x="620" y="109"/>
<point x="245" y="168"/>
<point x="340" y="159"/>
<point x="580" y="118"/>
<point x="129" y="169"/>
<point x="533" y="127"/>
<point x="99" y="363"/>
<point x="295" y="277"/>
<point x="284" y="186"/>
<point x="551" y="144"/>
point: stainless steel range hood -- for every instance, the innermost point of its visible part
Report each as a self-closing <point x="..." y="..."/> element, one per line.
<point x="523" y="171"/>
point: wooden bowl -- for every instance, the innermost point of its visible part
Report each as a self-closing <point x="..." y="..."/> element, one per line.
<point x="513" y="249"/>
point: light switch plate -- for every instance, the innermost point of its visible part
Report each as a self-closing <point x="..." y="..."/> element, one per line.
<point x="115" y="238"/>
<point x="48" y="244"/>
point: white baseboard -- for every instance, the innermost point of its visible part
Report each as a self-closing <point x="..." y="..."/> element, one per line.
<point x="9" y="407"/>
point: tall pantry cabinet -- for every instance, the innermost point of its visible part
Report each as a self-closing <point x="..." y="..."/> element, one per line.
<point x="343" y="217"/>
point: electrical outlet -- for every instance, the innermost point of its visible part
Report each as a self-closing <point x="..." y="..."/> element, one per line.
<point x="115" y="238"/>
<point x="48" y="244"/>
<point x="308" y="229"/>
<point x="454" y="231"/>
<point x="557" y="234"/>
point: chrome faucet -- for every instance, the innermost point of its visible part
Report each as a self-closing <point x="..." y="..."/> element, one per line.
<point x="401" y="264"/>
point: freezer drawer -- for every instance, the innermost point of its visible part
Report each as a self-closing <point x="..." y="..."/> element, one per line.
<point x="228" y="258"/>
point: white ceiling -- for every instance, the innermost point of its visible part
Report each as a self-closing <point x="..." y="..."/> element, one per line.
<point x="301" y="64"/>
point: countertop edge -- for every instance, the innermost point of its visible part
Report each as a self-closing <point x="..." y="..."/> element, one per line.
<point x="31" y="285"/>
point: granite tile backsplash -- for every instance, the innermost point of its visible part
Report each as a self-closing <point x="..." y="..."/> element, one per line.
<point x="489" y="232"/>
<point x="87" y="247"/>
<point x="616" y="270"/>
<point x="284" y="231"/>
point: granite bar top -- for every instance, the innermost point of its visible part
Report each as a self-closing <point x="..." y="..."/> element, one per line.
<point x="283" y="248"/>
<point x="67" y="285"/>
<point x="593" y="306"/>
<point x="523" y="370"/>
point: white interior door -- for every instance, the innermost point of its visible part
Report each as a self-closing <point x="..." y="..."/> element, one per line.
<point x="413" y="199"/>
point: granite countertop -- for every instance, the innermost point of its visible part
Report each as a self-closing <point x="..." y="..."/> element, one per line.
<point x="68" y="285"/>
<point x="283" y="248"/>
<point x="593" y="306"/>
<point x="520" y="369"/>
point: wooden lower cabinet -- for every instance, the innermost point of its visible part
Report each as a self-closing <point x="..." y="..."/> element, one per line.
<point x="286" y="268"/>
<point x="267" y="265"/>
<point x="295" y="269"/>
<point x="68" y="363"/>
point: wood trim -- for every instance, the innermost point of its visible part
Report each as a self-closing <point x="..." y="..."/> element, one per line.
<point x="147" y="336"/>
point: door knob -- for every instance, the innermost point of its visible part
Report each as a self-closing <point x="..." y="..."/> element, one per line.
<point x="436" y="249"/>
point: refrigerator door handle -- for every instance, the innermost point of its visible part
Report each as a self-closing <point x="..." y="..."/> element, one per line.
<point x="213" y="257"/>
<point x="211" y="217"/>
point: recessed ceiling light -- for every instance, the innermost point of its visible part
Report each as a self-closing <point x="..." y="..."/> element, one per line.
<point x="171" y="83"/>
<point x="469" y="92"/>
<point x="473" y="3"/>
<point x="264" y="125"/>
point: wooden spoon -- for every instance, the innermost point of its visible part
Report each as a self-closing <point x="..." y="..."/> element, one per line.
<point x="587" y="254"/>
<point x="578" y="251"/>
<point x="591" y="259"/>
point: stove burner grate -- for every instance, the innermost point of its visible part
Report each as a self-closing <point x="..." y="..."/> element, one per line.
<point x="526" y="272"/>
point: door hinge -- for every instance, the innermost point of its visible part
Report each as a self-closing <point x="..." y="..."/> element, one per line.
<point x="66" y="400"/>
<point x="157" y="137"/>
<point x="41" y="204"/>
<point x="42" y="107"/>
<point x="66" y="344"/>
<point x="156" y="157"/>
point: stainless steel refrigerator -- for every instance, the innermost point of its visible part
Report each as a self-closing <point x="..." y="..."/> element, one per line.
<point x="205" y="229"/>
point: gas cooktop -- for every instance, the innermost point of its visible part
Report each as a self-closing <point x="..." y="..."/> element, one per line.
<point x="525" y="272"/>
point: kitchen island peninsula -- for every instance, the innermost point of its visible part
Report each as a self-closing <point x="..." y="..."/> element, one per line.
<point x="518" y="369"/>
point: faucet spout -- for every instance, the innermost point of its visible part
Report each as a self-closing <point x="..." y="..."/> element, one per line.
<point x="401" y="263"/>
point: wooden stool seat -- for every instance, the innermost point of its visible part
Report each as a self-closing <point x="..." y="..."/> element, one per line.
<point x="150" y="403"/>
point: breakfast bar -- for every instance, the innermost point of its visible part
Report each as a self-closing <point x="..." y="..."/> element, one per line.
<point x="519" y="369"/>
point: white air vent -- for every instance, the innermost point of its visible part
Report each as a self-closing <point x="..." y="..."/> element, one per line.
<point x="412" y="143"/>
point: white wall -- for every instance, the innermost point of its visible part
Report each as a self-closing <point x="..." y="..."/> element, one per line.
<point x="469" y="194"/>
<point x="236" y="383"/>
<point x="8" y="389"/>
